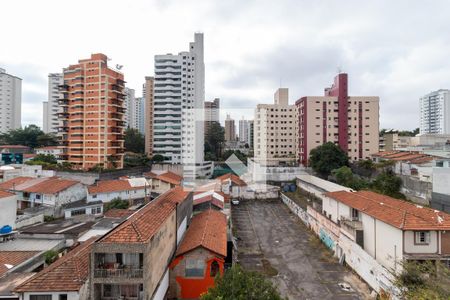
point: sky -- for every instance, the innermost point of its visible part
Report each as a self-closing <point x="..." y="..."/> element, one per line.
<point x="397" y="50"/>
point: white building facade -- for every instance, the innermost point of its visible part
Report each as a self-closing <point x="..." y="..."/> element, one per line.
<point x="50" y="107"/>
<point x="435" y="112"/>
<point x="10" y="101"/>
<point x="178" y="118"/>
<point x="243" y="131"/>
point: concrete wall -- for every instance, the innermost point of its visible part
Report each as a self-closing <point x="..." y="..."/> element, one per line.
<point x="124" y="195"/>
<point x="417" y="190"/>
<point x="297" y="210"/>
<point x="389" y="246"/>
<point x="55" y="295"/>
<point x="26" y="220"/>
<point x="158" y="255"/>
<point x="411" y="247"/>
<point x="175" y="168"/>
<point x="8" y="209"/>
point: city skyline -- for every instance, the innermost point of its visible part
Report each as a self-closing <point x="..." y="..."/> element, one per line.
<point x="243" y="66"/>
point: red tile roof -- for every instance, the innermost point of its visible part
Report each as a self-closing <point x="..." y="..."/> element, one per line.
<point x="170" y="177"/>
<point x="234" y="178"/>
<point x="398" y="213"/>
<point x="177" y="194"/>
<point x="108" y="186"/>
<point x="68" y="273"/>
<point x="118" y="213"/>
<point x="4" y="194"/>
<point x="13" y="147"/>
<point x="7" y="185"/>
<point x="14" y="258"/>
<point x="52" y="185"/>
<point x="142" y="225"/>
<point x="208" y="230"/>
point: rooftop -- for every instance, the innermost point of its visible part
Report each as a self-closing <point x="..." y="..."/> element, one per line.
<point x="32" y="244"/>
<point x="68" y="273"/>
<point x="45" y="185"/>
<point x="233" y="178"/>
<point x="82" y="203"/>
<point x="398" y="213"/>
<point x="60" y="226"/>
<point x="170" y="177"/>
<point x="108" y="186"/>
<point x="142" y="225"/>
<point x="118" y="213"/>
<point x="10" y="259"/>
<point x="208" y="230"/>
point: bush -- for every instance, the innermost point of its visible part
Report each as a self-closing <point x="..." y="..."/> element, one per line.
<point x="50" y="256"/>
<point x="116" y="203"/>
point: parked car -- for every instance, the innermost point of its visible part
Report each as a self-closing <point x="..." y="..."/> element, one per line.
<point x="235" y="202"/>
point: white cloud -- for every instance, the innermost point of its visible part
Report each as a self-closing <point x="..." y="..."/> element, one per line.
<point x="396" y="50"/>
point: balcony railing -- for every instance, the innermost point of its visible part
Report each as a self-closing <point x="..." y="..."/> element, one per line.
<point x="118" y="273"/>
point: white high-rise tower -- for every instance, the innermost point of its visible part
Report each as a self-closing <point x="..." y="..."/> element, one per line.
<point x="10" y="101"/>
<point x="178" y="115"/>
<point x="50" y="107"/>
<point x="435" y="112"/>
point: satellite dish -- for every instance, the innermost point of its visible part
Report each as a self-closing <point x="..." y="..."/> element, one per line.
<point x="118" y="67"/>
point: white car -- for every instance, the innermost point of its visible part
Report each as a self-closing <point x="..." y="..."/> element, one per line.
<point x="235" y="201"/>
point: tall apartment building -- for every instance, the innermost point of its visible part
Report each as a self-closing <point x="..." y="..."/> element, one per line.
<point x="275" y="130"/>
<point x="130" y="98"/>
<point x="178" y="117"/>
<point x="251" y="126"/>
<point x="230" y="129"/>
<point x="348" y="121"/>
<point x="91" y="114"/>
<point x="243" y="131"/>
<point x="435" y="112"/>
<point x="10" y="101"/>
<point x="212" y="111"/>
<point x="139" y="114"/>
<point x="148" y="94"/>
<point x="50" y="107"/>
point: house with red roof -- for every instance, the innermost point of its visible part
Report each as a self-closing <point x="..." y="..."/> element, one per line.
<point x="232" y="185"/>
<point x="132" y="260"/>
<point x="67" y="278"/>
<point x="130" y="189"/>
<point x="389" y="230"/>
<point x="200" y="256"/>
<point x="163" y="182"/>
<point x="8" y="209"/>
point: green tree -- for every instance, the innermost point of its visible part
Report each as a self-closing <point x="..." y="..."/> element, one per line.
<point x="116" y="203"/>
<point x="214" y="140"/>
<point x="50" y="256"/>
<point x="242" y="157"/>
<point x="327" y="157"/>
<point x="136" y="160"/>
<point x="134" y="141"/>
<point x="158" y="158"/>
<point x="47" y="158"/>
<point x="238" y="284"/>
<point x="344" y="176"/>
<point x="388" y="183"/>
<point x="31" y="136"/>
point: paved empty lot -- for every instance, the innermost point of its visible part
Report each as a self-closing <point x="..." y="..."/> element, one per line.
<point x="273" y="241"/>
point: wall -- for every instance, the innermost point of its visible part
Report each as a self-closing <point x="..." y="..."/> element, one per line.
<point x="124" y="195"/>
<point x="8" y="209"/>
<point x="175" y="168"/>
<point x="410" y="247"/>
<point x="389" y="246"/>
<point x="297" y="210"/>
<point x="418" y="191"/>
<point x="26" y="220"/>
<point x="158" y="255"/>
<point x="55" y="295"/>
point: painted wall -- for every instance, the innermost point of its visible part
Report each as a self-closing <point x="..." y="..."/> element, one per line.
<point x="55" y="295"/>
<point x="8" y="211"/>
<point x="124" y="195"/>
<point x="389" y="245"/>
<point x="410" y="247"/>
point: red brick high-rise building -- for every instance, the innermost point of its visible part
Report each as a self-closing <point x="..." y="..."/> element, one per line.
<point x="348" y="121"/>
<point x="91" y="114"/>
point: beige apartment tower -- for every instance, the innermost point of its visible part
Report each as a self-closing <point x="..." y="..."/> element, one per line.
<point x="230" y="129"/>
<point x="275" y="130"/>
<point x="91" y="114"/>
<point x="149" y="108"/>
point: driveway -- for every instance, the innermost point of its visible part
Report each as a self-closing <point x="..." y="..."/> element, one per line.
<point x="273" y="241"/>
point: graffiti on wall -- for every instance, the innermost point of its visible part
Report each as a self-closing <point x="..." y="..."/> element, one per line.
<point x="301" y="213"/>
<point x="326" y="238"/>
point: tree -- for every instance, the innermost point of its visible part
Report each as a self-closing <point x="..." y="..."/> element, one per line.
<point x="327" y="157"/>
<point x="47" y="158"/>
<point x="214" y="140"/>
<point x="239" y="284"/>
<point x="388" y="183"/>
<point x="242" y="157"/>
<point x="31" y="136"/>
<point x="50" y="256"/>
<point x="344" y="176"/>
<point x="134" y="141"/>
<point x="424" y="280"/>
<point x="158" y="158"/>
<point x="116" y="203"/>
<point x="135" y="160"/>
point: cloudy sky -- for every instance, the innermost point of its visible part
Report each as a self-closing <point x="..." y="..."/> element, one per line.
<point x="397" y="50"/>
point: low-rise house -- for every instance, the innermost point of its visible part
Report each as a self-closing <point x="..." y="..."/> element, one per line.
<point x="133" y="190"/>
<point x="14" y="149"/>
<point x="200" y="256"/>
<point x="388" y="229"/>
<point x="232" y="185"/>
<point x="132" y="260"/>
<point x="65" y="279"/>
<point x="50" y="150"/>
<point x="8" y="209"/>
<point x="204" y="200"/>
<point x="163" y="182"/>
<point x="46" y="191"/>
<point x="83" y="208"/>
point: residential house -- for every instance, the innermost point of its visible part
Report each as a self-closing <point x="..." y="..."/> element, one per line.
<point x="8" y="209"/>
<point x="83" y="208"/>
<point x="204" y="200"/>
<point x="163" y="182"/>
<point x="132" y="260"/>
<point x="388" y="229"/>
<point x="200" y="256"/>
<point x="65" y="279"/>
<point x="130" y="189"/>
<point x="45" y="191"/>
<point x="50" y="150"/>
<point x="232" y="185"/>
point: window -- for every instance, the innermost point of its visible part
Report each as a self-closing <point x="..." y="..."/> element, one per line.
<point x="194" y="268"/>
<point x="214" y="269"/>
<point x="355" y="214"/>
<point x="40" y="297"/>
<point x="422" y="237"/>
<point x="63" y="297"/>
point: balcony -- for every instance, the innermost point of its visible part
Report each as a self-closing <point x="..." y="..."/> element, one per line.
<point x="63" y="87"/>
<point x="354" y="228"/>
<point x="119" y="273"/>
